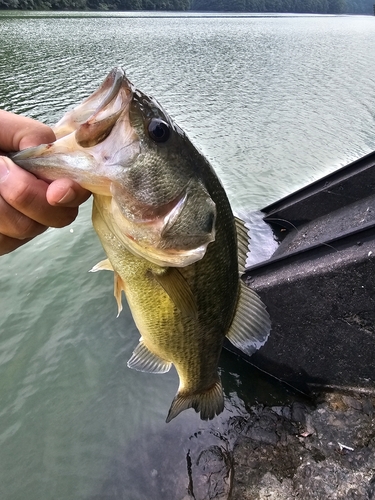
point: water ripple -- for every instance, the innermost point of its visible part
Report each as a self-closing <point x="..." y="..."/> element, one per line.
<point x="273" y="102"/>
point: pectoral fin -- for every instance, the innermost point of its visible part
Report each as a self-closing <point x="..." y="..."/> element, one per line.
<point x="178" y="290"/>
<point x="144" y="360"/>
<point x="251" y="325"/>
<point x="118" y="287"/>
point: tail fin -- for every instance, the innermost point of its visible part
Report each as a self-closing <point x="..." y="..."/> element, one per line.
<point x="209" y="403"/>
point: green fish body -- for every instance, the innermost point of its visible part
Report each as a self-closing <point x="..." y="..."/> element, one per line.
<point x="169" y="234"/>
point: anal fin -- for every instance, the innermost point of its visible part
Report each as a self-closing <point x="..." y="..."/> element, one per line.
<point x="208" y="403"/>
<point x="144" y="360"/>
<point x="251" y="324"/>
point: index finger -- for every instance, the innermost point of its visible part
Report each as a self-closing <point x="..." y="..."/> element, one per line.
<point x="20" y="132"/>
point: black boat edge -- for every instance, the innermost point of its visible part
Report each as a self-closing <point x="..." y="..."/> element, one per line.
<point x="319" y="285"/>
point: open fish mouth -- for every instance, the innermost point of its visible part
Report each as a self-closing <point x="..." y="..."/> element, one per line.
<point x="97" y="107"/>
<point x="81" y="151"/>
<point x="121" y="144"/>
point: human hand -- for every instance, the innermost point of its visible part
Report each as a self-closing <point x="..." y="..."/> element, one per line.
<point x="28" y="205"/>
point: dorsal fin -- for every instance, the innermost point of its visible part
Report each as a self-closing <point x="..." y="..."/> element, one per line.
<point x="251" y="324"/>
<point x="144" y="360"/>
<point x="242" y="243"/>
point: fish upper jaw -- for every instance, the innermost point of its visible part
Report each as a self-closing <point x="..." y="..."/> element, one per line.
<point x="101" y="101"/>
<point x="96" y="142"/>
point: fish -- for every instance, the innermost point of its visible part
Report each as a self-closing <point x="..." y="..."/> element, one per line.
<point x="175" y="248"/>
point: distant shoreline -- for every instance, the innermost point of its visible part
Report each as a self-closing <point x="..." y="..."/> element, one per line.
<point x="245" y="7"/>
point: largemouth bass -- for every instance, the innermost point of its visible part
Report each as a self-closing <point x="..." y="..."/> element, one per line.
<point x="167" y="228"/>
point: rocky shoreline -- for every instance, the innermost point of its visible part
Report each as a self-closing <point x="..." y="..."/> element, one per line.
<point x="305" y="452"/>
<point x="290" y="447"/>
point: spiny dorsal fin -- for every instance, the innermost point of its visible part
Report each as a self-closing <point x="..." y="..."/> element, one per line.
<point x="178" y="290"/>
<point x="144" y="360"/>
<point x="251" y="324"/>
<point x="102" y="265"/>
<point x="242" y="243"/>
<point x="118" y="287"/>
<point x="208" y="403"/>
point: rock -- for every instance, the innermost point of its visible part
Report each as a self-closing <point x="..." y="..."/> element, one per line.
<point x="284" y="452"/>
<point x="320" y="453"/>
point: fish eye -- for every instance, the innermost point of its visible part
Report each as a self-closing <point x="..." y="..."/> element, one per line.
<point x="158" y="130"/>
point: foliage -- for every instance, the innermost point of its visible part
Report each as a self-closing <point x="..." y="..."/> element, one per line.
<point x="96" y="4"/>
<point x="299" y="6"/>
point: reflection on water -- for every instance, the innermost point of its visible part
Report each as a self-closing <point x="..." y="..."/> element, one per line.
<point x="191" y="456"/>
<point x="274" y="102"/>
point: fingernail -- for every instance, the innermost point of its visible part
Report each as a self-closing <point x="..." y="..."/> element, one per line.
<point x="68" y="197"/>
<point x="4" y="170"/>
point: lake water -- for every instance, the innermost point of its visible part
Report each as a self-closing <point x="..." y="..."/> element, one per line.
<point x="274" y="102"/>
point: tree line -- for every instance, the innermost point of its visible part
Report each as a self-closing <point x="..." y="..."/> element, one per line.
<point x="297" y="6"/>
<point x="119" y="5"/>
